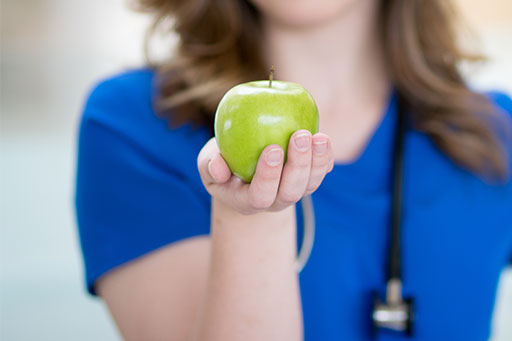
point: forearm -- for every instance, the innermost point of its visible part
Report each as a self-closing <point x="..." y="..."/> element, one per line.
<point x="253" y="291"/>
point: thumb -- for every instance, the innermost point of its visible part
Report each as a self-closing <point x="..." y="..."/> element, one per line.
<point x="218" y="170"/>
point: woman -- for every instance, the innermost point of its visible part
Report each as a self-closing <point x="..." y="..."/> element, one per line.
<point x="180" y="249"/>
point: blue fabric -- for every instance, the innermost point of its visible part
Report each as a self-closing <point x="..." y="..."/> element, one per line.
<point x="138" y="189"/>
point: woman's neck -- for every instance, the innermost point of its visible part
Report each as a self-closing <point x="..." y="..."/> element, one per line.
<point x="341" y="63"/>
<point x="342" y="57"/>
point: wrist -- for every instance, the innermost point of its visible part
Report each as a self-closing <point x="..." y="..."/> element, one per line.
<point x="267" y="239"/>
<point x="223" y="214"/>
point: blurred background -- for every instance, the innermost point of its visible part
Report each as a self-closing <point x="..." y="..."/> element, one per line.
<point x="52" y="52"/>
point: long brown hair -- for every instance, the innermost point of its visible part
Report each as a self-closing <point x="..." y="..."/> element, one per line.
<point x="216" y="50"/>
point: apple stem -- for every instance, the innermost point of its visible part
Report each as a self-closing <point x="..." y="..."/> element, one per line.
<point x="271" y="77"/>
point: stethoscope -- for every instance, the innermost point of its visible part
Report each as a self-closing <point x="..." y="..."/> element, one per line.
<point x="393" y="312"/>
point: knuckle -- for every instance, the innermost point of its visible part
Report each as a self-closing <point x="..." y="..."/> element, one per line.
<point x="204" y="179"/>
<point x="209" y="189"/>
<point x="266" y="173"/>
<point x="203" y="167"/>
<point x="246" y="211"/>
<point x="311" y="189"/>
<point x="268" y="176"/>
<point x="290" y="197"/>
<point x="300" y="163"/>
<point x="321" y="160"/>
<point x="323" y="165"/>
<point x="259" y="203"/>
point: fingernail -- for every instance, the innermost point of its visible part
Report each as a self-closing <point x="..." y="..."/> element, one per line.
<point x="302" y="141"/>
<point x="274" y="157"/>
<point x="210" y="169"/>
<point x="319" y="147"/>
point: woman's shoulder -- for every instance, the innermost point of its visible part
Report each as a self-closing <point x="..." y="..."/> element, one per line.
<point x="114" y="87"/>
<point x="120" y="108"/>
<point x="121" y="97"/>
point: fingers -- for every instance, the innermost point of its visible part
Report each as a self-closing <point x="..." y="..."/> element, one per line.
<point x="296" y="170"/>
<point x="322" y="161"/>
<point x="212" y="167"/>
<point x="246" y="198"/>
<point x="273" y="186"/>
<point x="265" y="183"/>
<point x="218" y="169"/>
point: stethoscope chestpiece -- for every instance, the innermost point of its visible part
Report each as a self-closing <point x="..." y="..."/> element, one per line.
<point x="395" y="313"/>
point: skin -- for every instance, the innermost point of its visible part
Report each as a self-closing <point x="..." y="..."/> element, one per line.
<point x="240" y="283"/>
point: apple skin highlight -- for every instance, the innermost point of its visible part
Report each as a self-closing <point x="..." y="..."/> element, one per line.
<point x="256" y="114"/>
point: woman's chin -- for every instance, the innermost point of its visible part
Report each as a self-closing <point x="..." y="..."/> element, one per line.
<point x="303" y="14"/>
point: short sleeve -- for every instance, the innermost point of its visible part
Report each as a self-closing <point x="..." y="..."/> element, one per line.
<point x="133" y="195"/>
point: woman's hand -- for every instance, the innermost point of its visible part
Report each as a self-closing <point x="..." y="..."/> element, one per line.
<point x="273" y="186"/>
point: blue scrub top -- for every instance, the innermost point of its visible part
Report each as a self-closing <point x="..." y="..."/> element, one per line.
<point x="138" y="189"/>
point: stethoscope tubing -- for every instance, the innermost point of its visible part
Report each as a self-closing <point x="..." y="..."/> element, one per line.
<point x="308" y="238"/>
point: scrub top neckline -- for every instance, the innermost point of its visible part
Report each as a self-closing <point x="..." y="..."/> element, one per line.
<point x="374" y="162"/>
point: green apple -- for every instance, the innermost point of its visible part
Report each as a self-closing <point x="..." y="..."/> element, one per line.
<point x="256" y="114"/>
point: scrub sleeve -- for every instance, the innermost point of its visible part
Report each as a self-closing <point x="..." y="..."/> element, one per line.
<point x="131" y="200"/>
